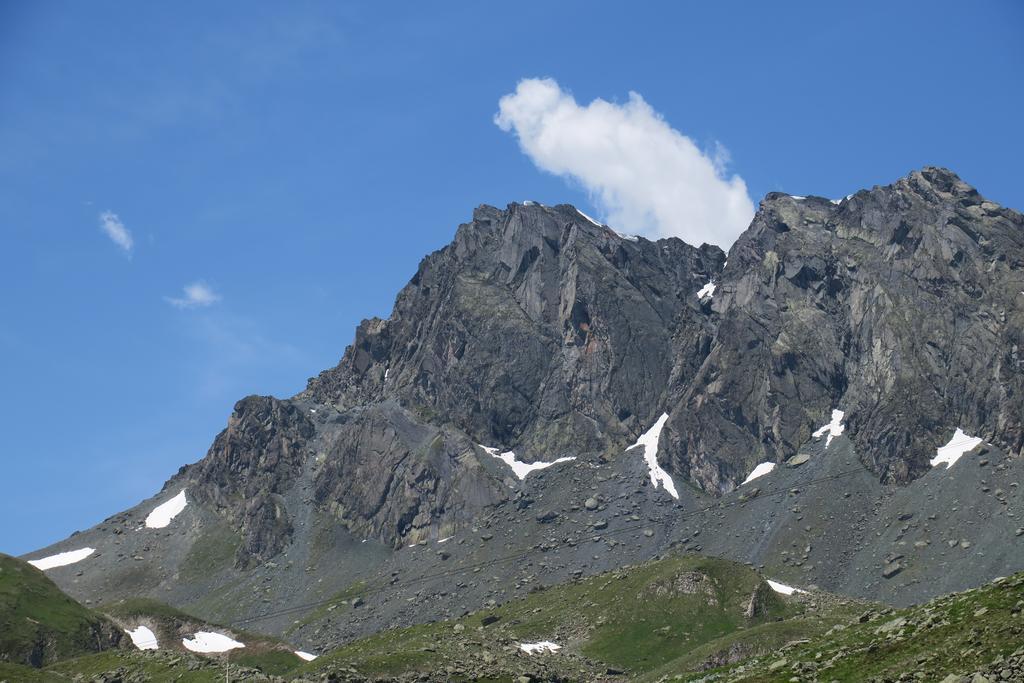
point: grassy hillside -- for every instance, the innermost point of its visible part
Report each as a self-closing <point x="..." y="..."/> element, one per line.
<point x="156" y="667"/>
<point x="975" y="632"/>
<point x="170" y="625"/>
<point x="682" y="618"/>
<point x="40" y="625"/>
<point x="689" y="611"/>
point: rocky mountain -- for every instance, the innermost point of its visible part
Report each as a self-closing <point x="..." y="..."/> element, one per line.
<point x="900" y="305"/>
<point x="536" y="328"/>
<point x="540" y="332"/>
<point x="551" y="399"/>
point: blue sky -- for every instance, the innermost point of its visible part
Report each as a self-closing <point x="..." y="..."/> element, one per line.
<point x="299" y="159"/>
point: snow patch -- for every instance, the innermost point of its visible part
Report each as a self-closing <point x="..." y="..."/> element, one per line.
<point x="797" y="197"/>
<point x="782" y="588"/>
<point x="957" y="446"/>
<point x="759" y="471"/>
<point x="210" y="641"/>
<point x="600" y="225"/>
<point x="305" y="656"/>
<point x="445" y="539"/>
<point x="143" y="638"/>
<point x="833" y="428"/>
<point x="162" y="515"/>
<point x="521" y="469"/>
<point x="631" y="238"/>
<point x="542" y="646"/>
<point x="707" y="290"/>
<point x="387" y="371"/>
<point x="62" y="559"/>
<point x="649" y="440"/>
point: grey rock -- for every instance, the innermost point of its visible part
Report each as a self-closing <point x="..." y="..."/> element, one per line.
<point x="798" y="459"/>
<point x="892" y="569"/>
<point x="547" y="517"/>
<point x="817" y="302"/>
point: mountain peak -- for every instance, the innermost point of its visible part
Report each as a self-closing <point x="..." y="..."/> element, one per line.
<point x="505" y="400"/>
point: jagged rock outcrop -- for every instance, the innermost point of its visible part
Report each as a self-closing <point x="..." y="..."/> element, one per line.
<point x="901" y="306"/>
<point x="375" y="469"/>
<point x="248" y="468"/>
<point x="539" y="331"/>
<point x="536" y="329"/>
<point x="389" y="477"/>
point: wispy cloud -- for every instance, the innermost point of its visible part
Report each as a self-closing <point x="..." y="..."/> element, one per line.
<point x="645" y="176"/>
<point x="196" y="295"/>
<point x="232" y="351"/>
<point x="111" y="224"/>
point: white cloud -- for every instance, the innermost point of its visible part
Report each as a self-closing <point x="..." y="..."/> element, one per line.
<point x="197" y="295"/>
<point x="645" y="176"/>
<point x="111" y="224"/>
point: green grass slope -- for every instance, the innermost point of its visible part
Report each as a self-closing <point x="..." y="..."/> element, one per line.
<point x="154" y="667"/>
<point x="40" y="625"/>
<point x="47" y="636"/>
<point x="682" y="611"/>
<point x="263" y="653"/>
<point x="951" y="639"/>
<point x="682" y="618"/>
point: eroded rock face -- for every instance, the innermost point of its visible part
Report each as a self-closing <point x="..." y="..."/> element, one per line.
<point x="535" y="329"/>
<point x="250" y="464"/>
<point x="760" y="602"/>
<point x="541" y="332"/>
<point x="683" y="583"/>
<point x="900" y="305"/>
<point x="387" y="476"/>
<point x="377" y="470"/>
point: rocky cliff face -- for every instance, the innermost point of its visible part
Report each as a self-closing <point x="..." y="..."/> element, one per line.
<point x="539" y="331"/>
<point x="248" y="468"/>
<point x="901" y="306"/>
<point x="388" y="476"/>
<point x="536" y="329"/>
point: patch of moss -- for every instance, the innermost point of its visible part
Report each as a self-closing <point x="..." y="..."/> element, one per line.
<point x="26" y="674"/>
<point x="270" y="662"/>
<point x="144" y="607"/>
<point x="210" y="553"/>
